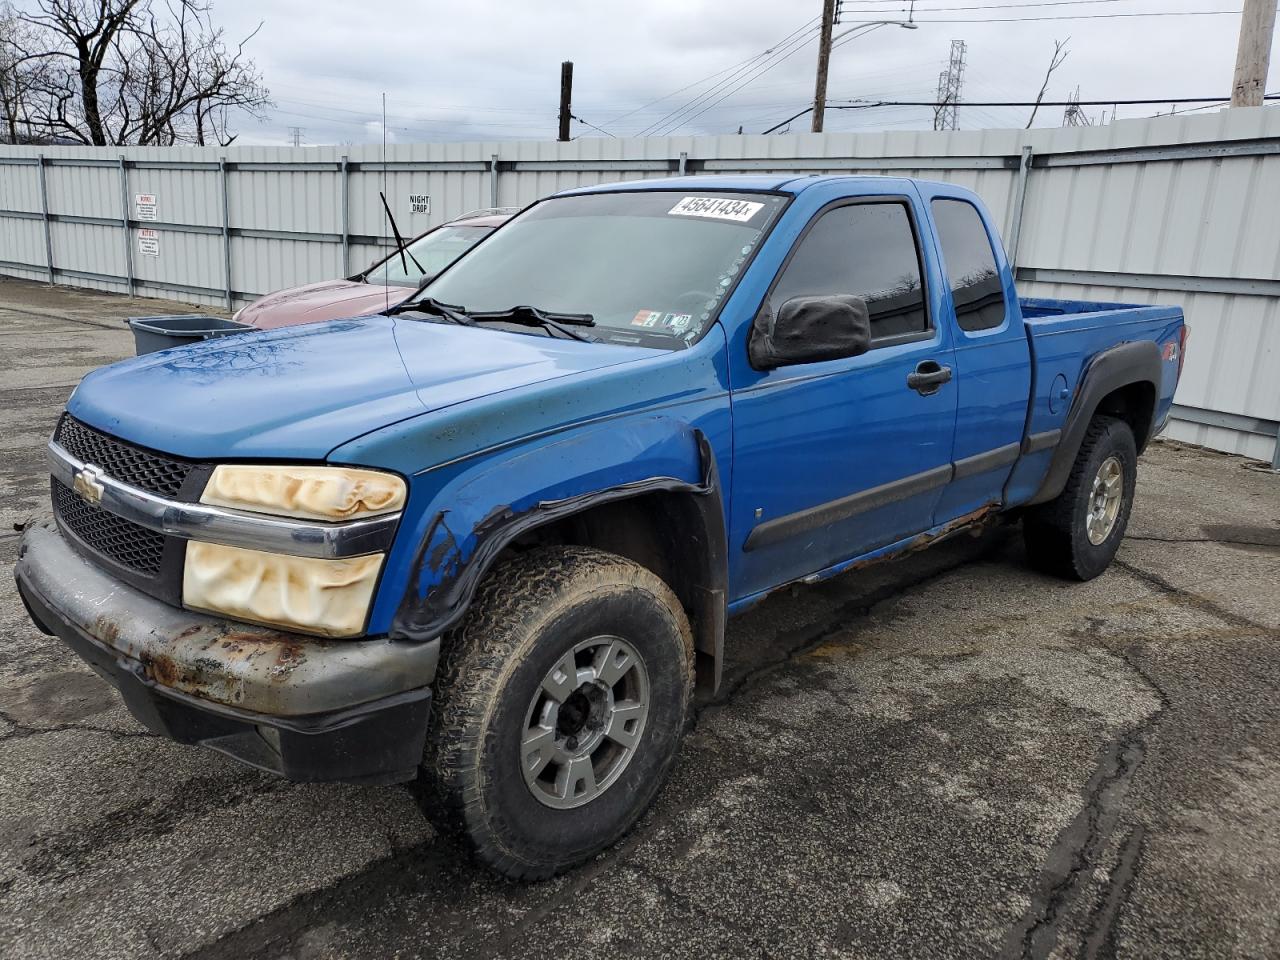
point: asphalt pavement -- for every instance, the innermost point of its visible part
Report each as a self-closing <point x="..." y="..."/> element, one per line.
<point x="947" y="756"/>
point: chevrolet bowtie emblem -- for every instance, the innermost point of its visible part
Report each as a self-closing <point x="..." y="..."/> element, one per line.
<point x="88" y="483"/>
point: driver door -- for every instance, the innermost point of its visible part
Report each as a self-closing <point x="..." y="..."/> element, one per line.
<point x="837" y="458"/>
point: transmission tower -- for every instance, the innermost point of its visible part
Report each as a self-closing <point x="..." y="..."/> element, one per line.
<point x="950" y="83"/>
<point x="295" y="134"/>
<point x="1074" y="115"/>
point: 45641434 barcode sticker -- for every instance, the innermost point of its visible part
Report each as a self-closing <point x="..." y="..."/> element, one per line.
<point x="717" y="208"/>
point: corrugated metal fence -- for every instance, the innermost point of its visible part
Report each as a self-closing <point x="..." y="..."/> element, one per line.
<point x="1174" y="210"/>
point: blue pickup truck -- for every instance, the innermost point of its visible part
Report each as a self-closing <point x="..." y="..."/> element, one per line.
<point x="488" y="543"/>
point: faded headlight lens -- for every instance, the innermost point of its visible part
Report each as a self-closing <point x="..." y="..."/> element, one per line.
<point x="327" y="597"/>
<point x="306" y="594"/>
<point x="311" y="493"/>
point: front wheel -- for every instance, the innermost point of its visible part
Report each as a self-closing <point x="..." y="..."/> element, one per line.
<point x="1076" y="535"/>
<point x="560" y="706"/>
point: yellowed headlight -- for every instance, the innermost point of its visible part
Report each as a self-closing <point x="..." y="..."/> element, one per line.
<point x="312" y="493"/>
<point x="328" y="597"/>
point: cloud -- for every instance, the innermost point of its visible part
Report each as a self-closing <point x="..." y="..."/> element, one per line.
<point x="489" y="69"/>
<point x="374" y="134"/>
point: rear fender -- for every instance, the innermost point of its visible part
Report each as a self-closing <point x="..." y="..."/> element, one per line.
<point x="1137" y="361"/>
<point x="483" y="508"/>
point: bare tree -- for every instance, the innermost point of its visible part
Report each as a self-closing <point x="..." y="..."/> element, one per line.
<point x="149" y="72"/>
<point x="21" y="76"/>
<point x="1059" y="54"/>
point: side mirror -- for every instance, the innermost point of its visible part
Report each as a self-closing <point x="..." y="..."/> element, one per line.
<point x="426" y="278"/>
<point x="809" y="329"/>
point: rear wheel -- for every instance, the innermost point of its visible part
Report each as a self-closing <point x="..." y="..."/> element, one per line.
<point x="1077" y="534"/>
<point x="559" y="709"/>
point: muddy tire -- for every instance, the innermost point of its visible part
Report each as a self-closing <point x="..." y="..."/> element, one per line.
<point x="1076" y="535"/>
<point x="559" y="708"/>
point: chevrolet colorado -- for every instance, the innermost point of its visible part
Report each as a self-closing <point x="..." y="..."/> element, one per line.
<point x="487" y="543"/>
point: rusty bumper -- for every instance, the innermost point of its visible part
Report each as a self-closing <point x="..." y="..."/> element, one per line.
<point x="309" y="709"/>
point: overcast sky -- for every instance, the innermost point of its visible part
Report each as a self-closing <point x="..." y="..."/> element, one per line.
<point x="490" y="69"/>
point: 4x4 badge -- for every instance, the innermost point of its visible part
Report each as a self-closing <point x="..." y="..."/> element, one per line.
<point x="88" y="483"/>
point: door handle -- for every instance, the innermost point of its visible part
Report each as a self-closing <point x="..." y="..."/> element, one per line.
<point x="928" y="377"/>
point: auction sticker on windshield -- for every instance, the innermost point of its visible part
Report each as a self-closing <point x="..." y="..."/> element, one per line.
<point x="717" y="208"/>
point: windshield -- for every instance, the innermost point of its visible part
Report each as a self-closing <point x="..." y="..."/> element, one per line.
<point x="651" y="267"/>
<point x="434" y="250"/>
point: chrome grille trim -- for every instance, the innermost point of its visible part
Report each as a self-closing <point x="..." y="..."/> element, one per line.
<point x="234" y="528"/>
<point x="136" y="466"/>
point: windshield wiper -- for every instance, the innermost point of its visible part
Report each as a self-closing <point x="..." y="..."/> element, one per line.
<point x="435" y="308"/>
<point x="561" y="323"/>
<point x="401" y="246"/>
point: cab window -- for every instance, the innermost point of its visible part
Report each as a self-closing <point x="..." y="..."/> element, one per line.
<point x="976" y="286"/>
<point x="868" y="250"/>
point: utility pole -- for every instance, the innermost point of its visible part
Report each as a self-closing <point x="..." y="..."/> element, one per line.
<point x="566" y="99"/>
<point x="1253" y="55"/>
<point x="824" y="58"/>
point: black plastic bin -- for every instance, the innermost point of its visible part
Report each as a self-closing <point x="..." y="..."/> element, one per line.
<point x="159" y="333"/>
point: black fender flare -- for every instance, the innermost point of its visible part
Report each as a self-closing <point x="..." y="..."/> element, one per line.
<point x="1136" y="361"/>
<point x="419" y="618"/>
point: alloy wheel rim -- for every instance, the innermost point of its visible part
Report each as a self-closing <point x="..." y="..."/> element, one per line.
<point x="585" y="722"/>
<point x="1104" y="500"/>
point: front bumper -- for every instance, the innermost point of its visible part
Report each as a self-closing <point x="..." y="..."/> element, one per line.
<point x="305" y="708"/>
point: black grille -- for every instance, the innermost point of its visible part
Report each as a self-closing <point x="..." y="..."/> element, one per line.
<point x="117" y="539"/>
<point x="122" y="461"/>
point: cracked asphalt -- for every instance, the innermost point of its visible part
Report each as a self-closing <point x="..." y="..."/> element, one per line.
<point x="945" y="756"/>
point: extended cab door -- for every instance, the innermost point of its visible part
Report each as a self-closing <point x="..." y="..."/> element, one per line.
<point x="836" y="458"/>
<point x="992" y="356"/>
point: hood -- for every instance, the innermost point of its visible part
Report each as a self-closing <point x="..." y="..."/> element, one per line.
<point x="297" y="393"/>
<point x="327" y="300"/>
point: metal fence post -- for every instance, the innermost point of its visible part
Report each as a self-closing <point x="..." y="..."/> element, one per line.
<point x="346" y="226"/>
<point x="44" y="213"/>
<point x="1019" y="201"/>
<point x="493" y="179"/>
<point x="226" y="227"/>
<point x="124" y="222"/>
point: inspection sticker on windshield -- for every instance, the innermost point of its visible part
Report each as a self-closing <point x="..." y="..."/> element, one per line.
<point x="717" y="208"/>
<point x="647" y="318"/>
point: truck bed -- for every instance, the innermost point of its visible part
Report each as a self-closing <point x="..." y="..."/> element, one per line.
<point x="1035" y="308"/>
<point x="1065" y="337"/>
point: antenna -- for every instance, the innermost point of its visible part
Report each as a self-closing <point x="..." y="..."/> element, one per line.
<point x="386" y="287"/>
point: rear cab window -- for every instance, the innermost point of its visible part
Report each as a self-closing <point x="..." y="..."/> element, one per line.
<point x="977" y="288"/>
<point x="868" y="249"/>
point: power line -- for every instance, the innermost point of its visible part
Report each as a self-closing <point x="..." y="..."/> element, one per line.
<point x="765" y="69"/>
<point x="988" y="6"/>
<point x="850" y="36"/>
<point x="752" y="63"/>
<point x="695" y="83"/>
<point x="747" y="65"/>
<point x="1039" y="3"/>
<point x="1044" y="103"/>
<point x="1078" y="16"/>
<point x="1010" y="103"/>
<point x="592" y="126"/>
